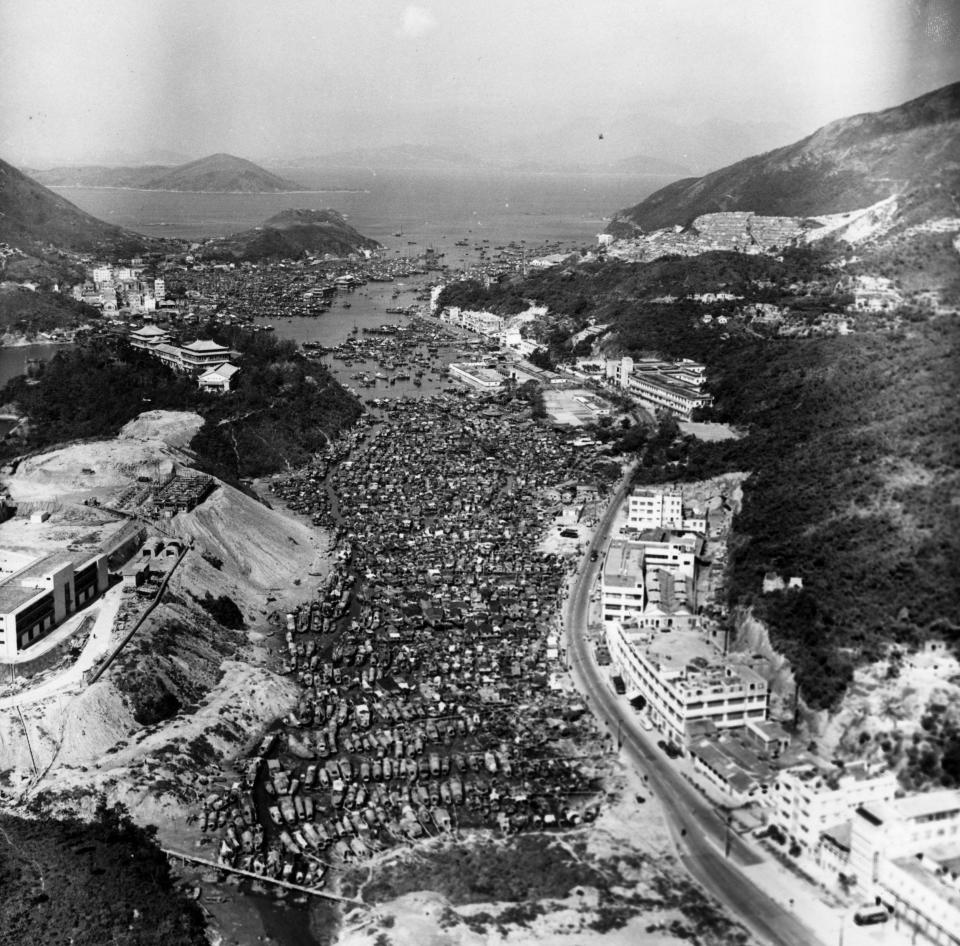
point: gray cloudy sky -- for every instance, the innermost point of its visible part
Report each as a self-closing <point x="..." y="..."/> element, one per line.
<point x="292" y="77"/>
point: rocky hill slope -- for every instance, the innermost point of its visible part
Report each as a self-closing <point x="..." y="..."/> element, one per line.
<point x="188" y="689"/>
<point x="33" y="218"/>
<point x="911" y="150"/>
<point x="291" y="233"/>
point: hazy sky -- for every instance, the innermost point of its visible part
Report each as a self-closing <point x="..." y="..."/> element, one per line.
<point x="292" y="77"/>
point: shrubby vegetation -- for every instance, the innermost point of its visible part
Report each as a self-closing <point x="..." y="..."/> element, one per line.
<point x="24" y="312"/>
<point x="92" y="390"/>
<point x="88" y="884"/>
<point x="224" y="610"/>
<point x="933" y="757"/>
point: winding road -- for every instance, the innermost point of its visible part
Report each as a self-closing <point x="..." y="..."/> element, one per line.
<point x="698" y="829"/>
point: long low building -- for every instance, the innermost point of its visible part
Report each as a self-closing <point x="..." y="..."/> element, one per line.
<point x="476" y="374"/>
<point x="662" y="385"/>
<point x="38" y="594"/>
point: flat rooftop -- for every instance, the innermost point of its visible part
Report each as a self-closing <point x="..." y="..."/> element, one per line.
<point x="478" y="372"/>
<point x="699" y="660"/>
<point x="674" y="650"/>
<point x="915" y="869"/>
<point x="924" y="804"/>
<point x="623" y="565"/>
<point x="21" y="586"/>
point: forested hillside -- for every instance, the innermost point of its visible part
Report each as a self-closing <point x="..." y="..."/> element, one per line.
<point x="283" y="408"/>
<point x="102" y="882"/>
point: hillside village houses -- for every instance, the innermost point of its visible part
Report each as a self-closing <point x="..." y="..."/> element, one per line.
<point x="111" y="288"/>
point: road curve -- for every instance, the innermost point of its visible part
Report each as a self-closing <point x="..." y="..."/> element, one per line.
<point x="697" y="828"/>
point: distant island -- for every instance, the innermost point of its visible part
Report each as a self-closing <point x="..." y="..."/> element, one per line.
<point x="291" y="233"/>
<point x="216" y="174"/>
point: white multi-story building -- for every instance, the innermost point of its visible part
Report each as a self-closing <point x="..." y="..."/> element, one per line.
<point x="622" y="581"/>
<point x="102" y="274"/>
<point x="672" y="386"/>
<point x="808" y="800"/>
<point x="675" y="552"/>
<point x="660" y="392"/>
<point x="159" y="289"/>
<point x="483" y="323"/>
<point x="651" y="580"/>
<point x="38" y="594"/>
<point x="655" y="509"/>
<point x="907" y="853"/>
<point x="617" y="370"/>
<point x="476" y="374"/>
<point x="684" y="680"/>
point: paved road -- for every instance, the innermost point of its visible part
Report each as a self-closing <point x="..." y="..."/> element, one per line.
<point x="696" y="826"/>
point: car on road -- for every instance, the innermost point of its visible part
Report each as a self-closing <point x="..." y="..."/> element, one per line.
<point x="870" y="914"/>
<point x="669" y="748"/>
<point x="594" y="555"/>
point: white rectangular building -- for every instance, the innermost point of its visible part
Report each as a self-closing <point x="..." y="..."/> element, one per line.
<point x="685" y="680"/>
<point x="808" y="800"/>
<point x="655" y="509"/>
<point x="476" y="374"/>
<point x="664" y="509"/>
<point x="38" y="594"/>
<point x="907" y="853"/>
<point x="651" y="580"/>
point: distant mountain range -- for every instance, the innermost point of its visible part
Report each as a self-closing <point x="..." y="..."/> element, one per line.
<point x="646" y="143"/>
<point x="216" y="173"/>
<point x="34" y="219"/>
<point x="911" y="151"/>
<point x="289" y="234"/>
<point x="394" y="157"/>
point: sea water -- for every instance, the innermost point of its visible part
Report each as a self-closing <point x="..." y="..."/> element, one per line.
<point x="425" y="207"/>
